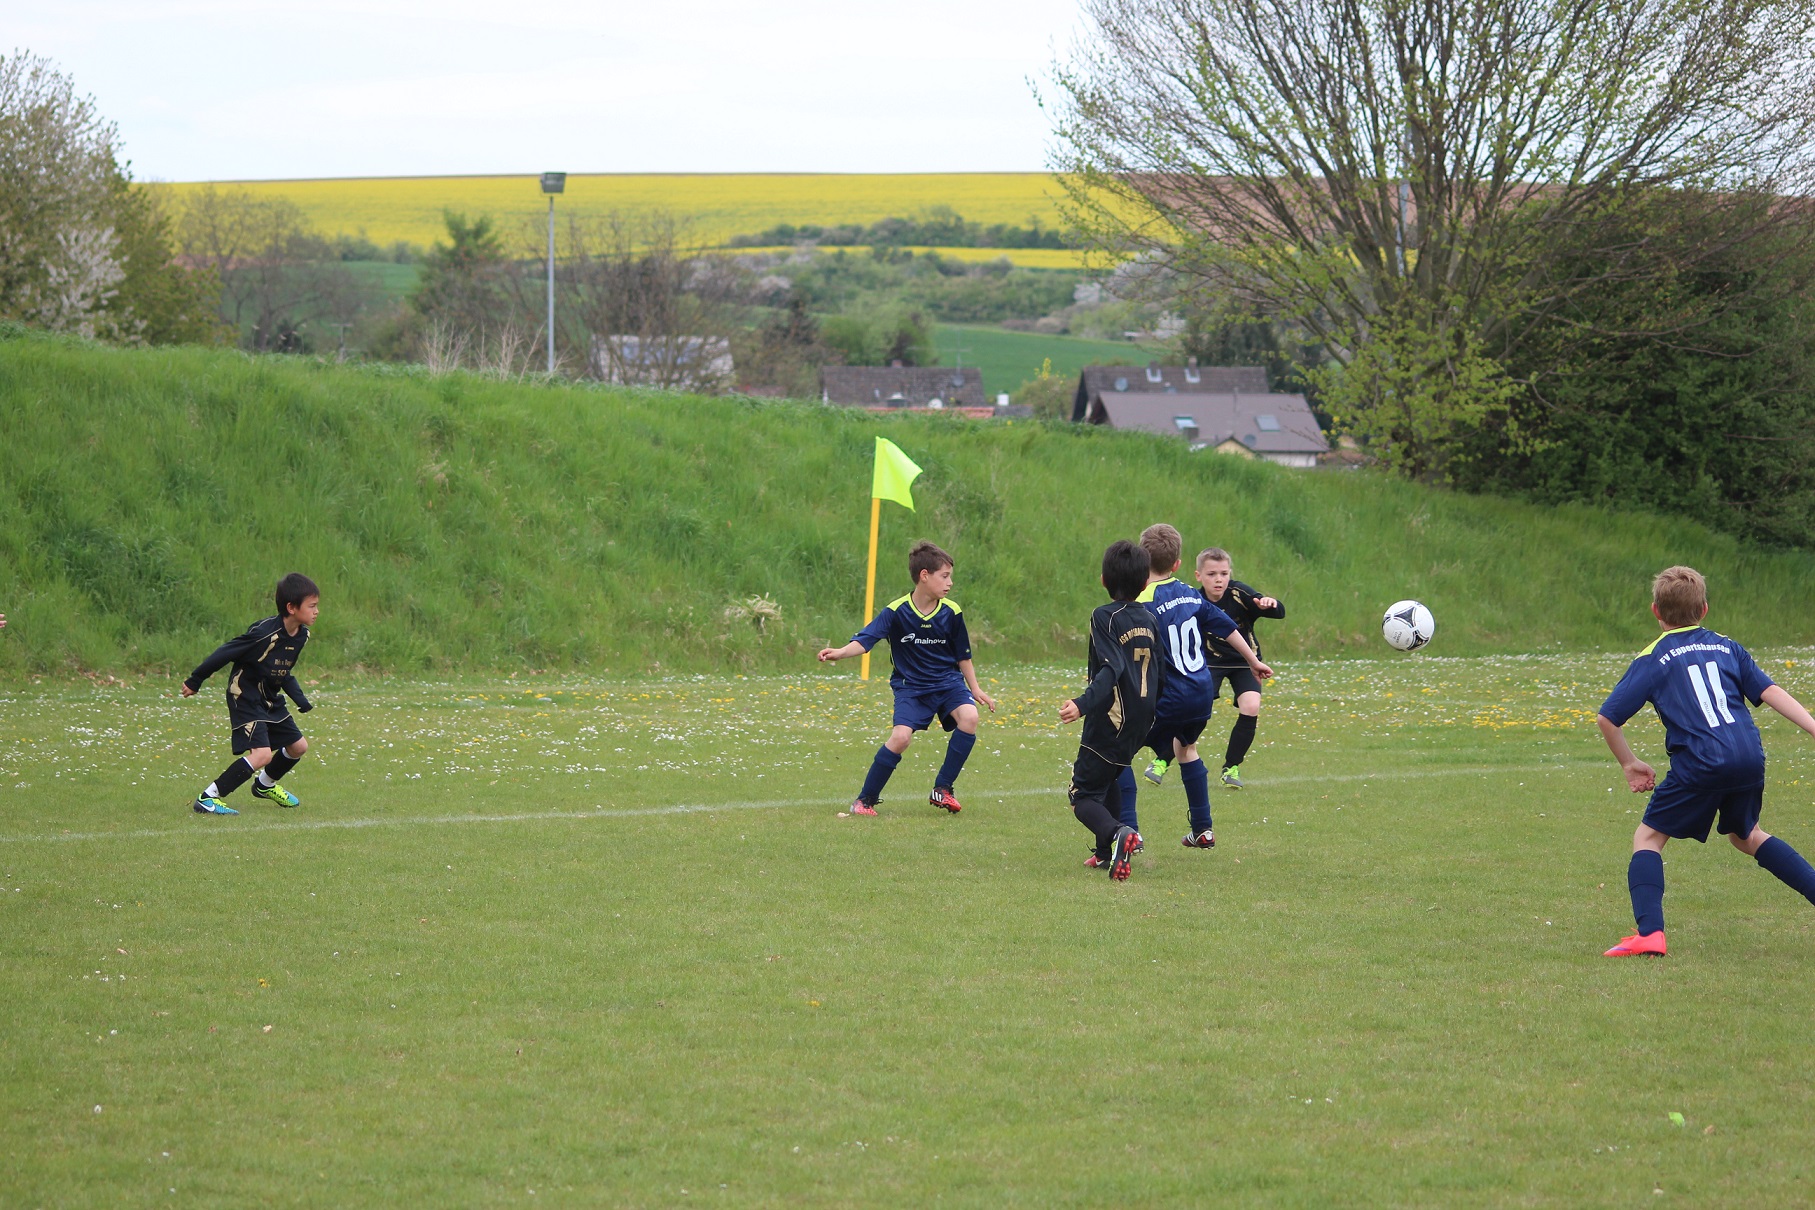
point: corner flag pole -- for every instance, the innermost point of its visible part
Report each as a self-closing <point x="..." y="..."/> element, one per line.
<point x="869" y="591"/>
<point x="894" y="474"/>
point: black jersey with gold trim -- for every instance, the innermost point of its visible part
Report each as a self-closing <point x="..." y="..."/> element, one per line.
<point x="263" y="659"/>
<point x="1240" y="602"/>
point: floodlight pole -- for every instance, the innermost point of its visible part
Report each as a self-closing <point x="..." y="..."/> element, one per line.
<point x="552" y="183"/>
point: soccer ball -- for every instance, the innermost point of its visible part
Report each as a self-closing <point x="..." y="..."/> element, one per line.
<point x="1408" y="625"/>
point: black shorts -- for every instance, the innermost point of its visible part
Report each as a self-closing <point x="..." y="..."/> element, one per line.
<point x="1166" y="730"/>
<point x="254" y="727"/>
<point x="1241" y="680"/>
<point x="1094" y="779"/>
<point x="1686" y="813"/>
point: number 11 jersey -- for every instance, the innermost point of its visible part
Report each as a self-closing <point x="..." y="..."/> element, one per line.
<point x="1699" y="682"/>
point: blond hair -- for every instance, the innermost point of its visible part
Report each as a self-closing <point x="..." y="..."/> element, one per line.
<point x="1680" y="596"/>
<point x="1211" y="554"/>
<point x="1162" y="544"/>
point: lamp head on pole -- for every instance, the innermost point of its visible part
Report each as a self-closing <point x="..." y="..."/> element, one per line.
<point x="554" y="182"/>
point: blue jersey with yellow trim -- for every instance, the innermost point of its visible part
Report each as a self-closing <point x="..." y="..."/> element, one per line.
<point x="925" y="648"/>
<point x="1183" y="615"/>
<point x="1699" y="682"/>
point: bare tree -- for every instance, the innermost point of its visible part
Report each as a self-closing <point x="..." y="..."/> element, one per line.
<point x="276" y="273"/>
<point x="1413" y="182"/>
<point x="648" y="306"/>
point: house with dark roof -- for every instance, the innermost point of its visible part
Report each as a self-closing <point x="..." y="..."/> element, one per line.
<point x="1254" y="424"/>
<point x="903" y="386"/>
<point x="1097" y="382"/>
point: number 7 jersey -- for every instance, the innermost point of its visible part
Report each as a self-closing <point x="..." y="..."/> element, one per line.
<point x="1126" y="679"/>
<point x="1183" y="615"/>
<point x="1699" y="682"/>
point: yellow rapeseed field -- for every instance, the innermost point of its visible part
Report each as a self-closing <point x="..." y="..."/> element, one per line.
<point x="716" y="206"/>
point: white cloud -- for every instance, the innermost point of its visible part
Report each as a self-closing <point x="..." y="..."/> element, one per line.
<point x="206" y="89"/>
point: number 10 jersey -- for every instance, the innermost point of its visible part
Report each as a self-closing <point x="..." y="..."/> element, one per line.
<point x="1183" y="615"/>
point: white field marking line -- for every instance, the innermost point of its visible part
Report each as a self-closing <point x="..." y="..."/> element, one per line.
<point x="314" y="825"/>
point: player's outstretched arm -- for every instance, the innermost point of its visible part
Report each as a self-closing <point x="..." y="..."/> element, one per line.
<point x="1779" y="699"/>
<point x="830" y="654"/>
<point x="1246" y="652"/>
<point x="1640" y="776"/>
<point x="970" y="679"/>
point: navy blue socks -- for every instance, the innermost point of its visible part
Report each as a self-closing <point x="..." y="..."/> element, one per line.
<point x="1196" y="779"/>
<point x="957" y="751"/>
<point x="1645" y="879"/>
<point x="881" y="769"/>
<point x="1789" y="867"/>
<point x="1126" y="784"/>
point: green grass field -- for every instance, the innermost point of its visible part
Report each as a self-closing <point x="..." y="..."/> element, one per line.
<point x="560" y="941"/>
<point x="1009" y="359"/>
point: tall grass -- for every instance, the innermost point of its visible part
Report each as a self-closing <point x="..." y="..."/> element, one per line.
<point x="149" y="499"/>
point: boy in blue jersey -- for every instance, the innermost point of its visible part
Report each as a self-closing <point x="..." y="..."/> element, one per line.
<point x="933" y="676"/>
<point x="1188" y="692"/>
<point x="1699" y="682"/>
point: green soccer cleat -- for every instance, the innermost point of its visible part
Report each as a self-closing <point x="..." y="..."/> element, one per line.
<point x="1232" y="777"/>
<point x="1156" y="772"/>
<point x="212" y="806"/>
<point x="275" y="793"/>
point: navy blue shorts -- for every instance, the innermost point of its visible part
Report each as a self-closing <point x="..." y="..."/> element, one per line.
<point x="1685" y="813"/>
<point x="1165" y="730"/>
<point x="918" y="710"/>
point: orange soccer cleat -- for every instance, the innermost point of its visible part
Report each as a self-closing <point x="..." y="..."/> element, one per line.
<point x="942" y="796"/>
<point x="1650" y="943"/>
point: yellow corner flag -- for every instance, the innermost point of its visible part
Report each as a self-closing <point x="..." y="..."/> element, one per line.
<point x="895" y="472"/>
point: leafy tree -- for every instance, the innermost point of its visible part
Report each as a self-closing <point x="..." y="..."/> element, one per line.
<point x="882" y="336"/>
<point x="81" y="248"/>
<point x="1398" y="178"/>
<point x="1717" y="422"/>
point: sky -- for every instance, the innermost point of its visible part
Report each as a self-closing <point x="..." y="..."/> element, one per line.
<point x="254" y="90"/>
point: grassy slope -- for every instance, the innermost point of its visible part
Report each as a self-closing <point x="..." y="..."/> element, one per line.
<point x="149" y="498"/>
<point x="1009" y="359"/>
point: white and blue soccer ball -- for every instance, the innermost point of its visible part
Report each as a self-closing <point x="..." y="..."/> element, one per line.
<point x="1408" y="625"/>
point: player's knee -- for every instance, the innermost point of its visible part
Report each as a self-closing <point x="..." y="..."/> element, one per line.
<point x="899" y="739"/>
<point x="1248" y="704"/>
<point x="1749" y="845"/>
<point x="295" y="750"/>
<point x="1647" y="837"/>
<point x="1186" y="752"/>
<point x="258" y="758"/>
<point x="966" y="718"/>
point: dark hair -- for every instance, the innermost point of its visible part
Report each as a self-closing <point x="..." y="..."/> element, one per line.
<point x="924" y="556"/>
<point x="1162" y="544"/>
<point x="292" y="591"/>
<point x="1125" y="570"/>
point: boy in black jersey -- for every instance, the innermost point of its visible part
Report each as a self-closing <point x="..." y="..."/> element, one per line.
<point x="1119" y="705"/>
<point x="264" y="662"/>
<point x="1243" y="605"/>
